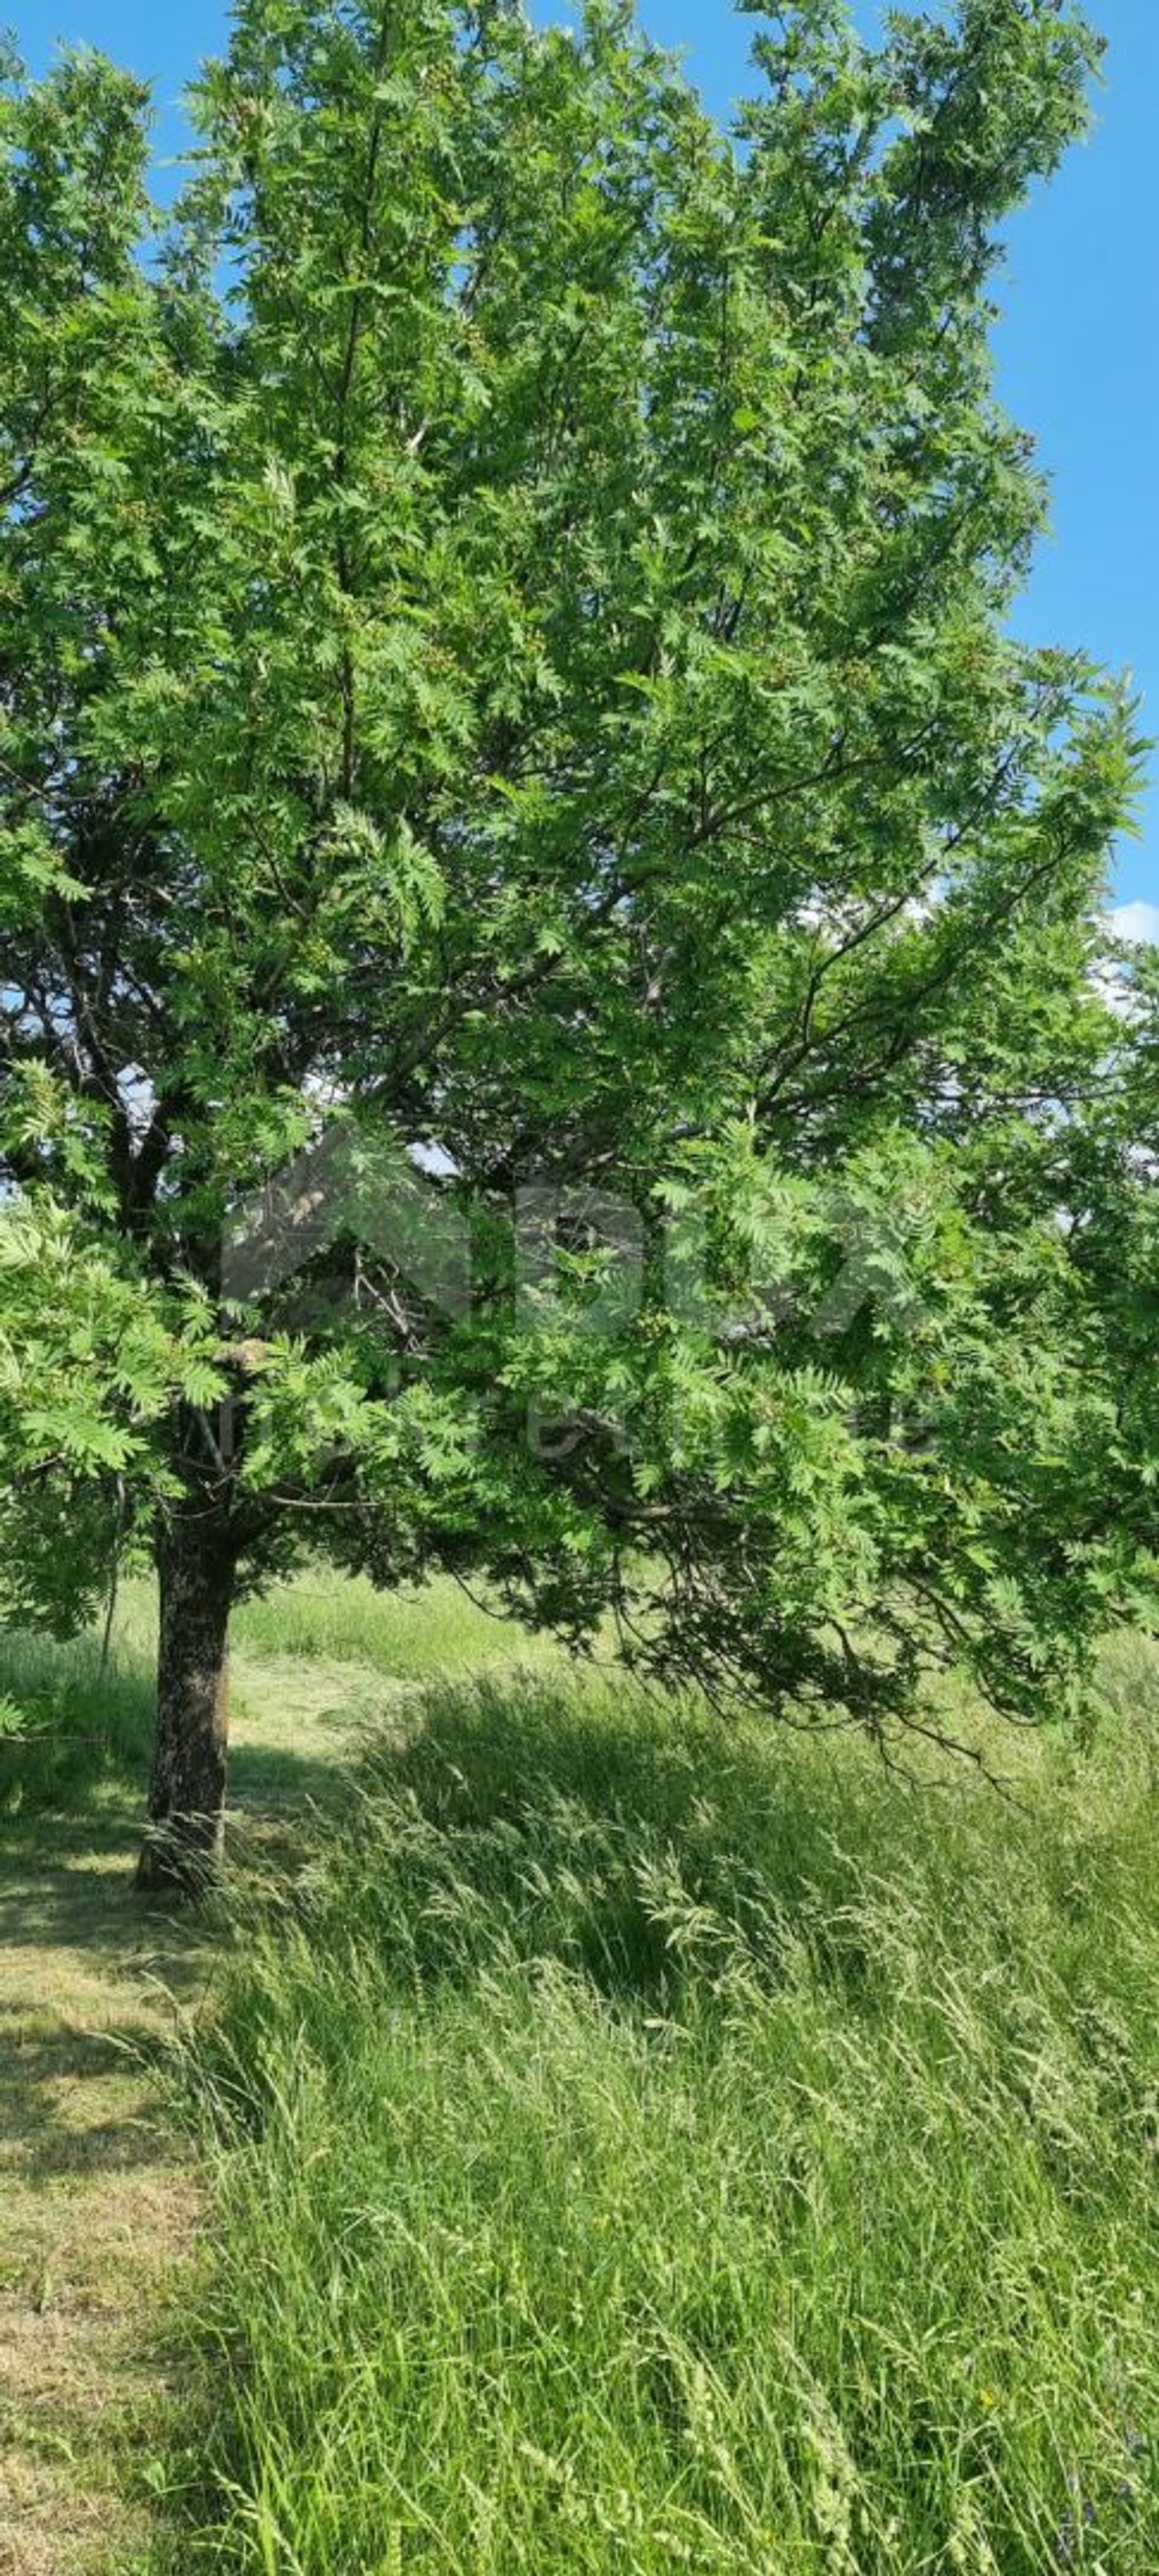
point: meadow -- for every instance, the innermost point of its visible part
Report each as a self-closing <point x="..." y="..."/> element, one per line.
<point x="632" y="2142"/>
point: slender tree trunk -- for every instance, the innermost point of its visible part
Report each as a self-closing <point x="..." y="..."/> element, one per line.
<point x="196" y="1568"/>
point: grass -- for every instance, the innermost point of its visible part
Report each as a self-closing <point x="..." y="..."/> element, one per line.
<point x="611" y="2141"/>
<point x="73" y="1728"/>
<point x="413" y="1635"/>
<point x="98" y="2194"/>
<point x="101" y="2204"/>
<point x="635" y="2145"/>
<point x="68" y="1726"/>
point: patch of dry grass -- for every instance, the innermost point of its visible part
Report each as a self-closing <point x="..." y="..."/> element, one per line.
<point x="97" y="2200"/>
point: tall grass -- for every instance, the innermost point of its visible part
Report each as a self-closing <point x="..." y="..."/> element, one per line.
<point x="407" y="1636"/>
<point x="642" y="2147"/>
<point x="68" y="1724"/>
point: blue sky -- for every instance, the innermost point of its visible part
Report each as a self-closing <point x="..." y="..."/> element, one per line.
<point x="1078" y="343"/>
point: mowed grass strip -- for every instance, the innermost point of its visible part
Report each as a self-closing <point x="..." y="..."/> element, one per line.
<point x="101" y="2206"/>
<point x="636" y="2144"/>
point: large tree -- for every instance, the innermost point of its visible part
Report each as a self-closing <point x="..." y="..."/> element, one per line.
<point x="504" y="649"/>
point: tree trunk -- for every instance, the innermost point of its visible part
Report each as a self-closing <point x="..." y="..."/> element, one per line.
<point x="196" y="1567"/>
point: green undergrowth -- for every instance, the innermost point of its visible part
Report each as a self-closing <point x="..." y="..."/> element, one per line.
<point x="69" y="1722"/>
<point x="640" y="2145"/>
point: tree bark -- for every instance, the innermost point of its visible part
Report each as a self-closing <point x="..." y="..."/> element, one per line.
<point x="196" y="1564"/>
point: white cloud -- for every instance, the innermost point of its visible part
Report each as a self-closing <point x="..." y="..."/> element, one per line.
<point x="1138" y="922"/>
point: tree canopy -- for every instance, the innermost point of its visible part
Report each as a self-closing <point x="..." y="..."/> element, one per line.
<point x="504" y="655"/>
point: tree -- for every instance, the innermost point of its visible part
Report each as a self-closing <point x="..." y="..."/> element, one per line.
<point x="504" y="651"/>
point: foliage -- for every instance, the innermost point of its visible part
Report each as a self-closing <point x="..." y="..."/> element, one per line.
<point x="504" y="647"/>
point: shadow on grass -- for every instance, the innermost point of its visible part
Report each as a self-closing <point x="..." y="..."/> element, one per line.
<point x="49" y="2089"/>
<point x="92" y="1976"/>
<point x="270" y="1781"/>
<point x="655" y="1849"/>
<point x="646" y="1847"/>
<point x="66" y="1884"/>
<point x="86" y="1975"/>
<point x="99" y="2194"/>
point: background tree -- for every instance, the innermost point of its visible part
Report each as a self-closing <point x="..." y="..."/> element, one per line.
<point x="504" y="648"/>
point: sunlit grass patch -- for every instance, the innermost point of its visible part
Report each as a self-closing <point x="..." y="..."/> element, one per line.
<point x="68" y="1721"/>
<point x="432" y="1630"/>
